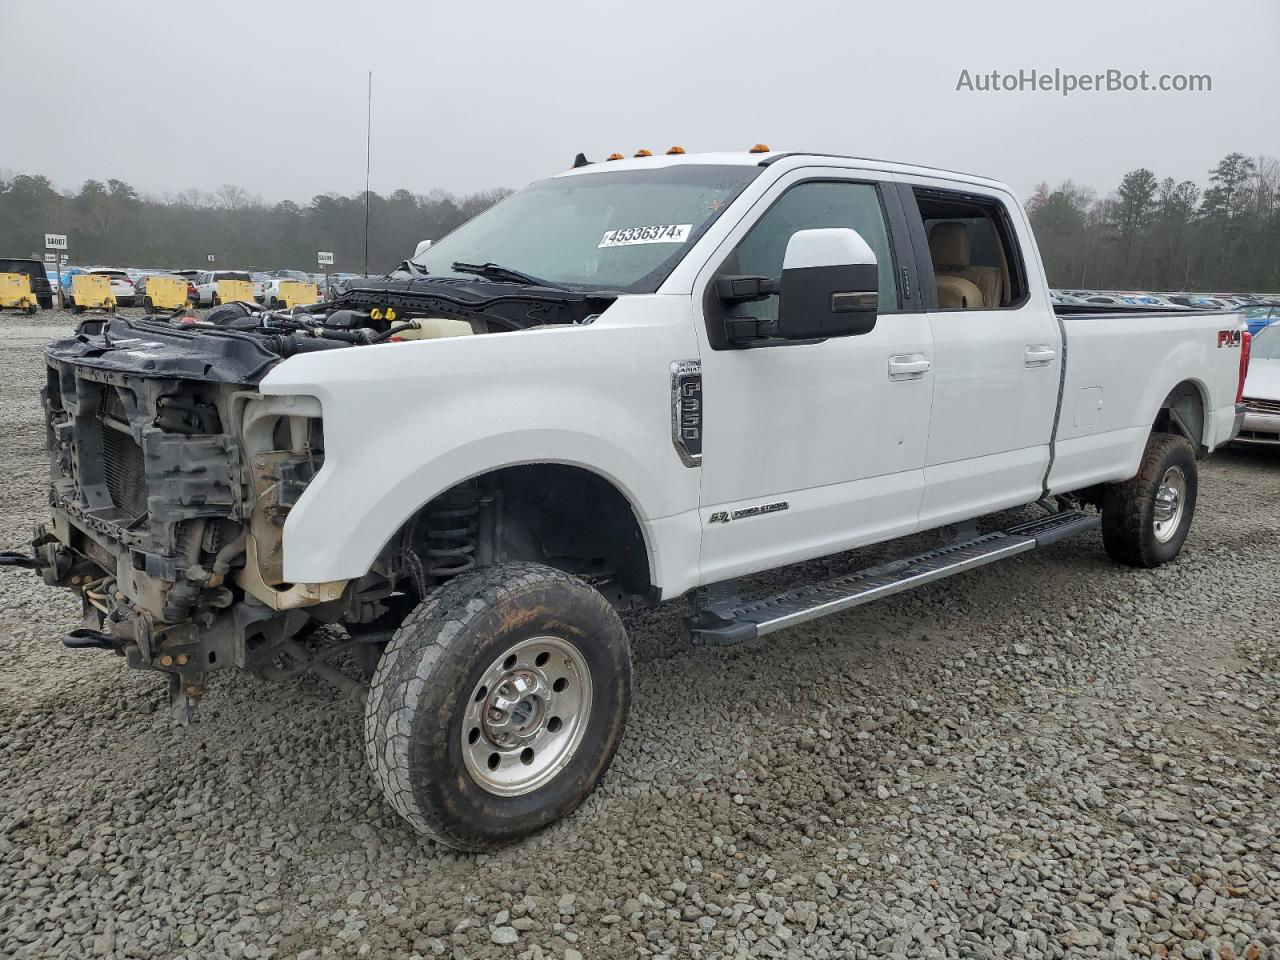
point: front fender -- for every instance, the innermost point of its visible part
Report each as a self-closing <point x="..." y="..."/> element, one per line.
<point x="347" y="515"/>
<point x="404" y="422"/>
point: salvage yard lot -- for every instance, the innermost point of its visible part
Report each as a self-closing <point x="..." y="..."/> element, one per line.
<point x="1050" y="757"/>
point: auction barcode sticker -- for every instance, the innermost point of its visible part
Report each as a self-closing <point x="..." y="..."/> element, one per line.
<point x="657" y="233"/>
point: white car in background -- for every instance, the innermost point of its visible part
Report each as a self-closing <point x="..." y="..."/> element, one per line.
<point x="206" y="284"/>
<point x="1262" y="389"/>
<point x="260" y="283"/>
<point x="271" y="292"/>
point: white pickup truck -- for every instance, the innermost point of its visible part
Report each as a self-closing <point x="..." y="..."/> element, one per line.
<point x="632" y="382"/>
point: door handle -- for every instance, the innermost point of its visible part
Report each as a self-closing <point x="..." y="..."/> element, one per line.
<point x="1039" y="355"/>
<point x="908" y="366"/>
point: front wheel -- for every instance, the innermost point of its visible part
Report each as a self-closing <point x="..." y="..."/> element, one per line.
<point x="498" y="704"/>
<point x="1145" y="520"/>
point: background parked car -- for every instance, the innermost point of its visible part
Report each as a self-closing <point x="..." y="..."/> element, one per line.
<point x="34" y="269"/>
<point x="261" y="281"/>
<point x="1149" y="300"/>
<point x="1200" y="302"/>
<point x="54" y="278"/>
<point x="271" y="292"/>
<point x="1262" y="389"/>
<point x="121" y="285"/>
<point x="1261" y="316"/>
<point x="206" y="284"/>
<point x="140" y="285"/>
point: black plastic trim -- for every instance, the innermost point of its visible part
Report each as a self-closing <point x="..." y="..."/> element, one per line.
<point x="919" y="245"/>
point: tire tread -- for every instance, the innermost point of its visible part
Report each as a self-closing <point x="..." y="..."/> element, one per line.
<point x="1126" y="532"/>
<point x="432" y="634"/>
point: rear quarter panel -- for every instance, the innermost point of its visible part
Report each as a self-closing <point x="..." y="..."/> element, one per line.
<point x="1119" y="369"/>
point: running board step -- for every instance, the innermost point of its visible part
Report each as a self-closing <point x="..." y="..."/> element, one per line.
<point x="735" y="622"/>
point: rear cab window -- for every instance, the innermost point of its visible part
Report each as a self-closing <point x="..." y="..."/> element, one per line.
<point x="969" y="257"/>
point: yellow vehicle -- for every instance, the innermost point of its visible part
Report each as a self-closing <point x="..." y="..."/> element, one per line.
<point x="229" y="291"/>
<point x="295" y="293"/>
<point x="92" y="291"/>
<point x="165" y="292"/>
<point x="15" y="293"/>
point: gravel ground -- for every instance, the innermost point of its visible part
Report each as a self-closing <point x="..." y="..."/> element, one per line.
<point x="1050" y="757"/>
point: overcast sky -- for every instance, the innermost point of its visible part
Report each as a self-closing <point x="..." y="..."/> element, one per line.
<point x="270" y="96"/>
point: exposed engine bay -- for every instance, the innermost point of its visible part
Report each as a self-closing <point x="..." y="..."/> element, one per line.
<point x="172" y="476"/>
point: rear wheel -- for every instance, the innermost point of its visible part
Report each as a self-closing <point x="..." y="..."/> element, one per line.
<point x="1145" y="520"/>
<point x="498" y="705"/>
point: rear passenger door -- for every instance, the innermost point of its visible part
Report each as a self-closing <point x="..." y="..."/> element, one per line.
<point x="996" y="352"/>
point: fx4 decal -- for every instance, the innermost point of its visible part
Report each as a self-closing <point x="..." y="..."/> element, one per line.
<point x="1229" y="338"/>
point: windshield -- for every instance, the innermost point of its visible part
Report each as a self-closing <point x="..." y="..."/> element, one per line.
<point x="621" y="230"/>
<point x="1266" y="344"/>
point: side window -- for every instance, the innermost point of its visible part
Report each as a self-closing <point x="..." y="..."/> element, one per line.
<point x="976" y="261"/>
<point x="807" y="206"/>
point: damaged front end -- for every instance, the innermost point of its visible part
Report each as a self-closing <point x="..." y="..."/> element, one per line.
<point x="171" y="477"/>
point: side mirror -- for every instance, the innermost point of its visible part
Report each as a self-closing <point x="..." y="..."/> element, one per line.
<point x="421" y="249"/>
<point x="829" y="288"/>
<point x="830" y="285"/>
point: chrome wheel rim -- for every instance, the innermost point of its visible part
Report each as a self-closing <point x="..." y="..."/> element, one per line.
<point x="526" y="717"/>
<point x="1171" y="500"/>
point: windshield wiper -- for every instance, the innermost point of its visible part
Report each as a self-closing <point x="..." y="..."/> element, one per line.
<point x="496" y="271"/>
<point x="411" y="268"/>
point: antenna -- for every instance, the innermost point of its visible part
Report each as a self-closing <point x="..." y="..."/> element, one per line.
<point x="368" y="165"/>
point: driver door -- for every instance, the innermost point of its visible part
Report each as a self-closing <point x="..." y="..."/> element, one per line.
<point x="812" y="447"/>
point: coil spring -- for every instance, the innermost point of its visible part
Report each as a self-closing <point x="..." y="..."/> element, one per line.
<point x="451" y="539"/>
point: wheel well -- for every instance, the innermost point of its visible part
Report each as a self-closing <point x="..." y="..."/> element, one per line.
<point x="563" y="516"/>
<point x="1182" y="412"/>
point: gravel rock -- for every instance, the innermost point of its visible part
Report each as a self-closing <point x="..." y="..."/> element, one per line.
<point x="1051" y="757"/>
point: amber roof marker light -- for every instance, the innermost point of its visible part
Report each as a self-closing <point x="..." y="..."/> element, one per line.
<point x="759" y="148"/>
<point x="642" y="152"/>
<point x="614" y="156"/>
<point x="675" y="151"/>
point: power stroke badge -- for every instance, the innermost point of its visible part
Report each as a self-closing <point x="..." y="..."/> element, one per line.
<point x="759" y="510"/>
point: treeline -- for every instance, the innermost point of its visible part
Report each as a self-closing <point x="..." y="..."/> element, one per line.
<point x="1160" y="234"/>
<point x="110" y="223"/>
<point x="1149" y="234"/>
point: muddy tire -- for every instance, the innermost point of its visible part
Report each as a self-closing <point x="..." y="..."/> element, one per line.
<point x="1145" y="520"/>
<point x="498" y="704"/>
